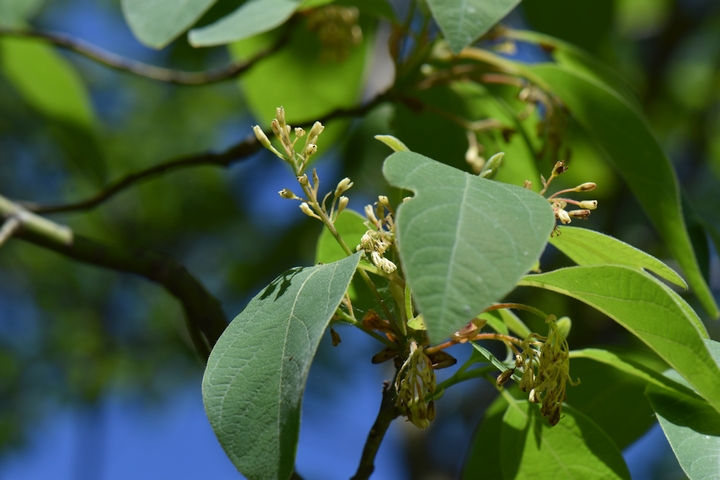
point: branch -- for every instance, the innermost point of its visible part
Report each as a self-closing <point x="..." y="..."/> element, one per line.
<point x="388" y="412"/>
<point x="117" y="62"/>
<point x="238" y="152"/>
<point x="205" y="318"/>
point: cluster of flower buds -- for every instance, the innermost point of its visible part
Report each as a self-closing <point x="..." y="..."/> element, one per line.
<point x="415" y="383"/>
<point x="282" y="132"/>
<point x="545" y="371"/>
<point x="559" y="204"/>
<point x="380" y="235"/>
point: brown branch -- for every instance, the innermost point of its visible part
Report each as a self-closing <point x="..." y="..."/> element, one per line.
<point x="112" y="60"/>
<point x="388" y="412"/>
<point x="205" y="318"/>
<point x="236" y="153"/>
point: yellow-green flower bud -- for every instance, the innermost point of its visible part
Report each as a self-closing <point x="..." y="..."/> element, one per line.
<point x="588" y="204"/>
<point x="586" y="187"/>
<point x="315" y="131"/>
<point x="277" y="130"/>
<point x="581" y="214"/>
<point x="285" y="193"/>
<point x="563" y="216"/>
<point x="303" y="180"/>
<point x="280" y="116"/>
<point x="342" y="203"/>
<point x="308" y="211"/>
<point x="299" y="132"/>
<point x="311" y="149"/>
<point x="342" y="186"/>
<point x="262" y="138"/>
<point x="383" y="201"/>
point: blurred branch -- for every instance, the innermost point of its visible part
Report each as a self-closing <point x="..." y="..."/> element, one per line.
<point x="388" y="412"/>
<point x="238" y="152"/>
<point x="117" y="62"/>
<point x="205" y="318"/>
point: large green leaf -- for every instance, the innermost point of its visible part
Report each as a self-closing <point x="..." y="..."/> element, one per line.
<point x="642" y="304"/>
<point x="251" y="18"/>
<point x="692" y="427"/>
<point x="574" y="448"/>
<point x="463" y="21"/>
<point x="628" y="143"/>
<point x="611" y="398"/>
<point x="464" y="241"/>
<point x="588" y="247"/>
<point x="49" y="84"/>
<point x="256" y="374"/>
<point x="158" y="22"/>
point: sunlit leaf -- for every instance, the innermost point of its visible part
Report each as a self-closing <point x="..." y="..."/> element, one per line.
<point x="641" y="304"/>
<point x="256" y="374"/>
<point x="588" y="247"/>
<point x="464" y="241"/>
<point x="574" y="448"/>
<point x="158" y="22"/>
<point x="630" y="146"/>
<point x="463" y="21"/>
<point x="692" y="427"/>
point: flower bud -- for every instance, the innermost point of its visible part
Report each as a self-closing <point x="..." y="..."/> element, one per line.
<point x="563" y="215"/>
<point x="370" y="214"/>
<point x="588" y="204"/>
<point x="280" y="116"/>
<point x="527" y="184"/>
<point x="299" y="132"/>
<point x="308" y="211"/>
<point x="315" y="131"/>
<point x="559" y="168"/>
<point x="581" y="214"/>
<point x="303" y="180"/>
<point x="275" y="125"/>
<point x="586" y="187"/>
<point x="262" y="138"/>
<point x="285" y="193"/>
<point x="342" y="203"/>
<point x="342" y="186"/>
<point x="311" y="149"/>
<point x="383" y="201"/>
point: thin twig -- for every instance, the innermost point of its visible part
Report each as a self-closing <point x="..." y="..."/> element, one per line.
<point x="204" y="316"/>
<point x="112" y="60"/>
<point x="240" y="151"/>
<point x="388" y="412"/>
<point x="10" y="226"/>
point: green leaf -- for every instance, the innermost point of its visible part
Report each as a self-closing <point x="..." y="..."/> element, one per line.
<point x="574" y="448"/>
<point x="612" y="398"/>
<point x="692" y="427"/>
<point x="485" y="449"/>
<point x="464" y="241"/>
<point x="251" y="18"/>
<point x="642" y="304"/>
<point x="587" y="247"/>
<point x="14" y="13"/>
<point x="463" y="21"/>
<point x="50" y="85"/>
<point x="630" y="146"/>
<point x="256" y="374"/>
<point x="158" y="22"/>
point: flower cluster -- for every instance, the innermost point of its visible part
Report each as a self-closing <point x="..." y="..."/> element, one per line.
<point x="546" y="370"/>
<point x="415" y="383"/>
<point x="560" y="204"/>
<point x="379" y="238"/>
